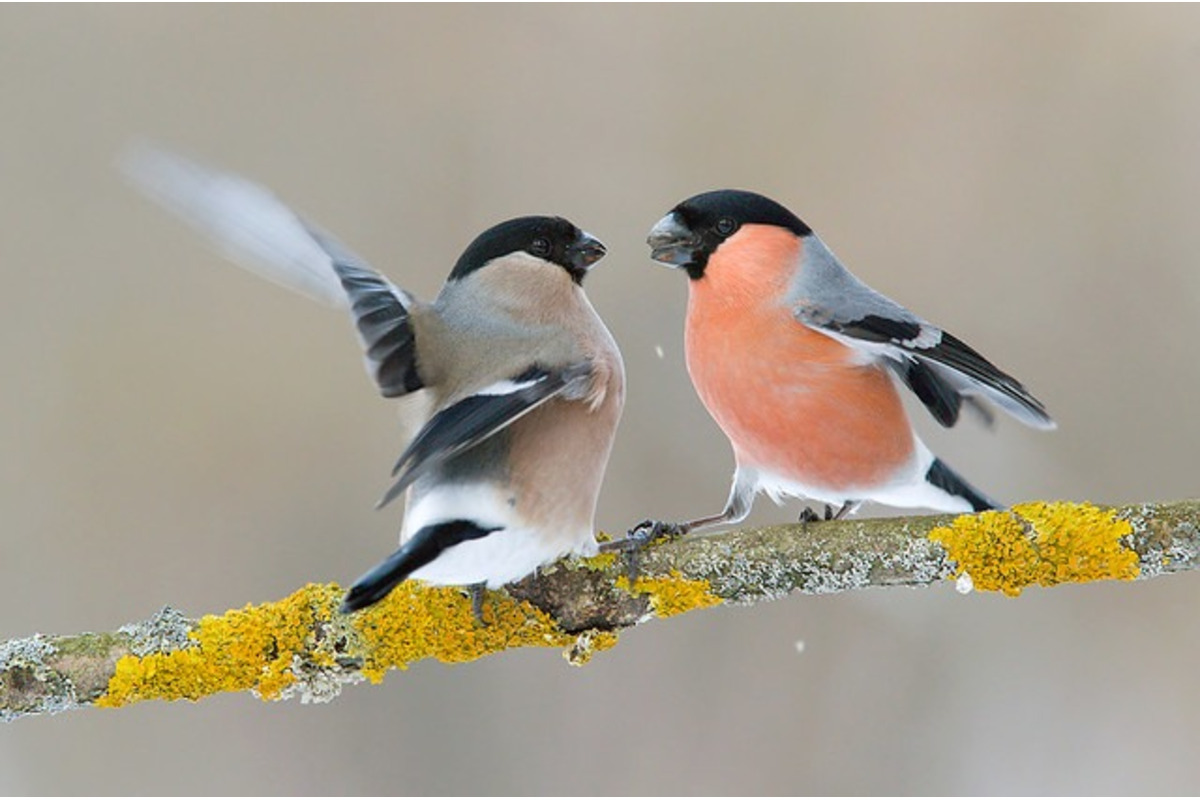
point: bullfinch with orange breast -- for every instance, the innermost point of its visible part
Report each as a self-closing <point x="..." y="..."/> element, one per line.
<point x="525" y="383"/>
<point x="799" y="363"/>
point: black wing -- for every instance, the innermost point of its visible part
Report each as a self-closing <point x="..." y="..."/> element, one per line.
<point x="941" y="369"/>
<point x="254" y="228"/>
<point x="381" y="314"/>
<point x="480" y="415"/>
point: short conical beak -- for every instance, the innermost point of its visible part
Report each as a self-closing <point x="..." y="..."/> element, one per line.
<point x="671" y="242"/>
<point x="586" y="251"/>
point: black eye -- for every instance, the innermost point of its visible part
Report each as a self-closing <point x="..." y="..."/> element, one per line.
<point x="540" y="247"/>
<point x="726" y="226"/>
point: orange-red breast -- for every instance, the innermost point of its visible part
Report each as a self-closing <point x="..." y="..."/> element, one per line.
<point x="799" y="363"/>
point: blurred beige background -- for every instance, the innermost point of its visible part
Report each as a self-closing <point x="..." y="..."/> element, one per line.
<point x="176" y="431"/>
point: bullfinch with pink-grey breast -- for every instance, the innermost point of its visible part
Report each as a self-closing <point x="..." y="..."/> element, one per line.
<point x="524" y="383"/>
<point x="799" y="363"/>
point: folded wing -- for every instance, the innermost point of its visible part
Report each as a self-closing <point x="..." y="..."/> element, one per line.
<point x="484" y="413"/>
<point x="942" y="370"/>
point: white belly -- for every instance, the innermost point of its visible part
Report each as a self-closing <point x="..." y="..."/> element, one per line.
<point x="501" y="557"/>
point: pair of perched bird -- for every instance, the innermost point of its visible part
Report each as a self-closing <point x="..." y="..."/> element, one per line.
<point x="796" y="359"/>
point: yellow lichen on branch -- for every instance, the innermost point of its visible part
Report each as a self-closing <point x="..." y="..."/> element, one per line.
<point x="263" y="648"/>
<point x="1040" y="544"/>
<point x="674" y="594"/>
<point x="303" y="645"/>
<point x="266" y="648"/>
<point x="416" y="622"/>
<point x="250" y="648"/>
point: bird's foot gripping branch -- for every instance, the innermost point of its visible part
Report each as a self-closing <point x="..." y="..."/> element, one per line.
<point x="304" y="646"/>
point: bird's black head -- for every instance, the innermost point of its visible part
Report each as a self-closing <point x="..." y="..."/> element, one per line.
<point x="552" y="239"/>
<point x="695" y="228"/>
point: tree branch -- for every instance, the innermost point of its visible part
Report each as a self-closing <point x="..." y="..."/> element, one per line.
<point x="302" y="645"/>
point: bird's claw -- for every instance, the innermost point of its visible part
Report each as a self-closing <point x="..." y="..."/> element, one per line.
<point x="808" y="515"/>
<point x="641" y="536"/>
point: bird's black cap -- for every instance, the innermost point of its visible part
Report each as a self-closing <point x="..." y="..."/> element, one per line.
<point x="744" y="208"/>
<point x="552" y="239"/>
<point x="694" y="229"/>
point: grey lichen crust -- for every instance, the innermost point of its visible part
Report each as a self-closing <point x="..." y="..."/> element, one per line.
<point x="752" y="566"/>
<point x="591" y="597"/>
<point x="49" y="674"/>
<point x="165" y="632"/>
<point x="322" y="682"/>
<point x="319" y="684"/>
<point x="24" y="670"/>
<point x="1165" y="537"/>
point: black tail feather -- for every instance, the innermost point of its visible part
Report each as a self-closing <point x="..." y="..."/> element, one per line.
<point x="941" y="398"/>
<point x="426" y="545"/>
<point x="948" y="480"/>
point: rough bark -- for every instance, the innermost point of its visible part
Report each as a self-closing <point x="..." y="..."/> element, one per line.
<point x="302" y="645"/>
